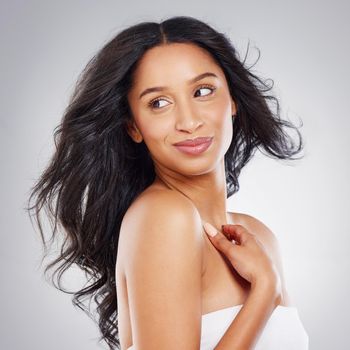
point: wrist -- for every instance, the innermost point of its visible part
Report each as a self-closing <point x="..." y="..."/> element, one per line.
<point x="268" y="288"/>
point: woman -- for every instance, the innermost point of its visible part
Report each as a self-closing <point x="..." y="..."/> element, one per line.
<point x="161" y="123"/>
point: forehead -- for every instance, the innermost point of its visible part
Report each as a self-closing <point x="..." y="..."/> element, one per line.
<point x="172" y="64"/>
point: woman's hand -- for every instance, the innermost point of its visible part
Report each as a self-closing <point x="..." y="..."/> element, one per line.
<point x="246" y="253"/>
<point x="251" y="260"/>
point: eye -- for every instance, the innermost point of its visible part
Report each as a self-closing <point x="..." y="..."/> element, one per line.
<point x="206" y="87"/>
<point x="151" y="103"/>
<point x="202" y="87"/>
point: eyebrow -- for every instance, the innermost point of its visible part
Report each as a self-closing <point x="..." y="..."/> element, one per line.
<point x="192" y="81"/>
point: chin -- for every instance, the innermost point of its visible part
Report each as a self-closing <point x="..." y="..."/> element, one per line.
<point x="195" y="167"/>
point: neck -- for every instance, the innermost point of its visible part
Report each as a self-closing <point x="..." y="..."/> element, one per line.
<point x="206" y="191"/>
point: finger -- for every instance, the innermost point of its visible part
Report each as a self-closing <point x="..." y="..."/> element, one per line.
<point x="219" y="240"/>
<point x="236" y="232"/>
<point x="230" y="236"/>
<point x="232" y="232"/>
<point x="211" y="230"/>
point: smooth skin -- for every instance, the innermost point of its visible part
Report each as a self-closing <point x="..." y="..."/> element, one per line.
<point x="163" y="254"/>
<point x="251" y="260"/>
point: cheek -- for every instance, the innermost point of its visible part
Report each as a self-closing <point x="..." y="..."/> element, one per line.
<point x="155" y="133"/>
<point x="151" y="127"/>
<point x="221" y="117"/>
<point x="228" y="131"/>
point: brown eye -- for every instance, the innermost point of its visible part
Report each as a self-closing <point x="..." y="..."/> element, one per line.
<point x="151" y="103"/>
<point x="206" y="87"/>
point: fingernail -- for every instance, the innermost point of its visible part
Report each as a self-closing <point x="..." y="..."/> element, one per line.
<point x="210" y="229"/>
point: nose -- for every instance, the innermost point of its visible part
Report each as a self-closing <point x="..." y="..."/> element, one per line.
<point x="187" y="119"/>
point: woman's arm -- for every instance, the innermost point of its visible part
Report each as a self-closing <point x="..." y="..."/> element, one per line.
<point x="252" y="260"/>
<point x="250" y="321"/>
<point x="163" y="266"/>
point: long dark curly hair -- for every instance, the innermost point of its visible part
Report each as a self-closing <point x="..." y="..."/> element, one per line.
<point x="97" y="170"/>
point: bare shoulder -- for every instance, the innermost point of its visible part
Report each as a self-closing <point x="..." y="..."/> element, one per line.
<point x="160" y="207"/>
<point x="160" y="218"/>
<point x="270" y="241"/>
<point x="163" y="268"/>
<point x="257" y="227"/>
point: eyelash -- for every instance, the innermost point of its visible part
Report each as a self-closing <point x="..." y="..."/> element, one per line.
<point x="212" y="88"/>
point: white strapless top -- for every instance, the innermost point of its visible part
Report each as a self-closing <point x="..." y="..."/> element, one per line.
<point x="283" y="330"/>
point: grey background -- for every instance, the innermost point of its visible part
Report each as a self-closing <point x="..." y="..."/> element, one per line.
<point x="305" y="49"/>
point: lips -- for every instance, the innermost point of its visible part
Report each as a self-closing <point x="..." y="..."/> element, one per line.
<point x="193" y="142"/>
<point x="195" y="146"/>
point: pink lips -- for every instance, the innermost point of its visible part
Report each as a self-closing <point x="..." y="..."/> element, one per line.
<point x="194" y="146"/>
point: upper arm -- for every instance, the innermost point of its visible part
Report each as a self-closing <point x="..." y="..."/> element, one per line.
<point x="270" y="241"/>
<point x="163" y="273"/>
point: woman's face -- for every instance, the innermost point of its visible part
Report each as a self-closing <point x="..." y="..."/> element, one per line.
<point x="181" y="107"/>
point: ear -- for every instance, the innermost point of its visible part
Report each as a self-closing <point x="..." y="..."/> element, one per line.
<point x="133" y="131"/>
